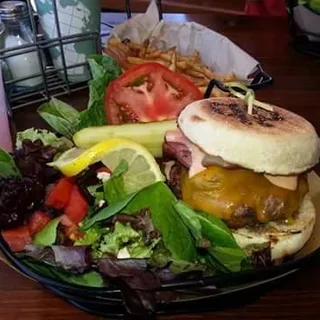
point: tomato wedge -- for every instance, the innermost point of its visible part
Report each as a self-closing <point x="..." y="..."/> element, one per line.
<point x="148" y="92"/>
<point x="58" y="197"/>
<point x="38" y="221"/>
<point x="77" y="207"/>
<point x="17" y="238"/>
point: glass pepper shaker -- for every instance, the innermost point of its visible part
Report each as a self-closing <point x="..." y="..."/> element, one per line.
<point x="18" y="33"/>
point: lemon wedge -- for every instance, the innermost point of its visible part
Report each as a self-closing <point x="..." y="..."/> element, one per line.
<point x="143" y="169"/>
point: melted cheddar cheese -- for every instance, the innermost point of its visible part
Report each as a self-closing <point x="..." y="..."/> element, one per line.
<point x="223" y="191"/>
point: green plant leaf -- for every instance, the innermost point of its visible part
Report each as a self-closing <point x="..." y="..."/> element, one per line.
<point x="224" y="253"/>
<point x="7" y="165"/>
<point x="216" y="231"/>
<point x="114" y="187"/>
<point x="101" y="64"/>
<point x="62" y="117"/>
<point x="175" y="235"/>
<point x="107" y="212"/>
<point x="90" y="237"/>
<point x="48" y="235"/>
<point x="104" y="69"/>
<point x="47" y="138"/>
<point x="190" y="219"/>
<point x="90" y="279"/>
<point x="230" y="258"/>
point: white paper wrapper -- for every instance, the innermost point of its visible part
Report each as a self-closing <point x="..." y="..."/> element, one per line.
<point x="219" y="53"/>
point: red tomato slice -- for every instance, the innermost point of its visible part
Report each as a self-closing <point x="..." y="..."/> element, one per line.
<point x="17" y="238"/>
<point x="38" y="221"/>
<point x="58" y="197"/>
<point x="77" y="207"/>
<point x="148" y="92"/>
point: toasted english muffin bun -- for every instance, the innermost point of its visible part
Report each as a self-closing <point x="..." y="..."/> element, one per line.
<point x="277" y="143"/>
<point x="285" y="239"/>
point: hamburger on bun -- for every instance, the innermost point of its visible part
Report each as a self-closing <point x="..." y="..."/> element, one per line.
<point x="247" y="168"/>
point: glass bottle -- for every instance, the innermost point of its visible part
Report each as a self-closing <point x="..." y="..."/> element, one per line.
<point x="18" y="33"/>
<point x="5" y="133"/>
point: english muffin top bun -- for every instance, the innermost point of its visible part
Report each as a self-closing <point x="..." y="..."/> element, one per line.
<point x="277" y="142"/>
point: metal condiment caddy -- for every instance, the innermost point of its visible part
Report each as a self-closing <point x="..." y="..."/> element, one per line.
<point x="54" y="80"/>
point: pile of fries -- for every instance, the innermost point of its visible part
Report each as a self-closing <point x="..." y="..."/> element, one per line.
<point x="128" y="53"/>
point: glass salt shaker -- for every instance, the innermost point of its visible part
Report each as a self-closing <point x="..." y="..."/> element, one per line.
<point x="18" y="33"/>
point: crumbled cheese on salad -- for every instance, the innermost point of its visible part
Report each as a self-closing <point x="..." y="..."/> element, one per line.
<point x="123" y="254"/>
<point x="103" y="176"/>
<point x="101" y="203"/>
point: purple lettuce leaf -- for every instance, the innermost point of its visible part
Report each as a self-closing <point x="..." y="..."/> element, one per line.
<point x="136" y="281"/>
<point x="74" y="259"/>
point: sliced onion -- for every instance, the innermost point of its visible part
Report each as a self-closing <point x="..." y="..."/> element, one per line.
<point x="249" y="97"/>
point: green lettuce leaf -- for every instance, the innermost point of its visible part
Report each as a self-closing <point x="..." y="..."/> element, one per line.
<point x="92" y="117"/>
<point x="107" y="212"/>
<point x="104" y="69"/>
<point x="190" y="220"/>
<point x="175" y="235"/>
<point x="48" y="235"/>
<point x="119" y="238"/>
<point x="223" y="252"/>
<point x="91" y="278"/>
<point x="161" y="258"/>
<point x="125" y="237"/>
<point x="90" y="237"/>
<point x="47" y="138"/>
<point x="114" y="187"/>
<point x="62" y="117"/>
<point x="216" y="231"/>
<point x="8" y="167"/>
<point x="231" y="259"/>
<point x="65" y="119"/>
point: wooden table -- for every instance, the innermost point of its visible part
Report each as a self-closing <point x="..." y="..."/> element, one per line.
<point x="296" y="87"/>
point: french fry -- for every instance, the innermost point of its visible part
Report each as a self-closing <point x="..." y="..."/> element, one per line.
<point x="171" y="50"/>
<point x="196" y="55"/>
<point x="194" y="73"/>
<point x="182" y="65"/>
<point x="135" y="46"/>
<point x="173" y="61"/>
<point x="190" y="66"/>
<point x="123" y="47"/>
<point x="135" y="60"/>
<point x="230" y="77"/>
<point x="150" y="48"/>
<point x="200" y="82"/>
<point x="114" y="42"/>
<point x="183" y="58"/>
<point x="154" y="54"/>
<point x="142" y="53"/>
<point x="166" y="56"/>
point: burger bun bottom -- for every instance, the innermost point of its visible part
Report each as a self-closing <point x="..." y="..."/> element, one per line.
<point x="285" y="239"/>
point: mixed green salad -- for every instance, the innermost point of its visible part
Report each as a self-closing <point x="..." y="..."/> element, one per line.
<point x="89" y="204"/>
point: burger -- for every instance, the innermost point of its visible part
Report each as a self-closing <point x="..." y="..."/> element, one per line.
<point x="247" y="166"/>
